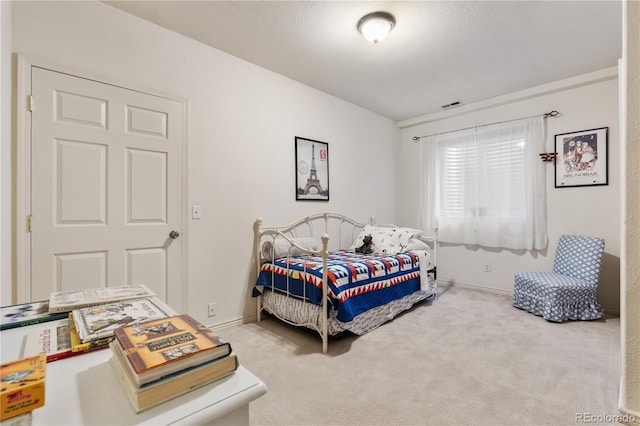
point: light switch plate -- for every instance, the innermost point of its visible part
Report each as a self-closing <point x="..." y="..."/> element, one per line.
<point x="196" y="212"/>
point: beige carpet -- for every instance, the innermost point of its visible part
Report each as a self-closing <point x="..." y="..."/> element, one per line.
<point x="469" y="358"/>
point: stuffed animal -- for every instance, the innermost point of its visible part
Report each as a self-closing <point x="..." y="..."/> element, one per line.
<point x="365" y="248"/>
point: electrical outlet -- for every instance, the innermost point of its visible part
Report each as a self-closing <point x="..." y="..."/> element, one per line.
<point x="212" y="309"/>
<point x="487" y="267"/>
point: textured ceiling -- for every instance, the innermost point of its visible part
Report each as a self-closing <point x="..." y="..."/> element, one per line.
<point x="438" y="53"/>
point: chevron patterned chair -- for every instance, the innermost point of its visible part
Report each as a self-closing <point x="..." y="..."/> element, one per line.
<point x="569" y="292"/>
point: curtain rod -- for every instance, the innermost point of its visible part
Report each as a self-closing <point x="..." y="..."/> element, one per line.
<point x="553" y="113"/>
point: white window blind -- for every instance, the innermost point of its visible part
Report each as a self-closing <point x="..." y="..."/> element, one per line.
<point x="485" y="185"/>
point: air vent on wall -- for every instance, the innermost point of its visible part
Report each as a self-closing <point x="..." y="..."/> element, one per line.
<point x="451" y="105"/>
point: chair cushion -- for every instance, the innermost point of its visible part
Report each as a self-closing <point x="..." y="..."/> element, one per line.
<point x="556" y="297"/>
<point x="550" y="279"/>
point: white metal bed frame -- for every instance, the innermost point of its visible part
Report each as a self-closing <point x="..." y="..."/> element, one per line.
<point x="291" y="231"/>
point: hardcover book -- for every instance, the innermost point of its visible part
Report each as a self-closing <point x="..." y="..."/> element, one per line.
<point x="27" y="314"/>
<point x="65" y="301"/>
<point x="78" y="345"/>
<point x="99" y="322"/>
<point x="163" y="346"/>
<point x="22" y="386"/>
<point x="172" y="386"/>
<point x="51" y="338"/>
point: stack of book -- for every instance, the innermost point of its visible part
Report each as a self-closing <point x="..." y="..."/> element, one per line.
<point x="60" y="303"/>
<point x="159" y="360"/>
<point x="157" y="353"/>
<point x="90" y="329"/>
<point x="98" y="323"/>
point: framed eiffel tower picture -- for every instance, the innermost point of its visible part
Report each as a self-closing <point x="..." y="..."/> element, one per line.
<point x="312" y="170"/>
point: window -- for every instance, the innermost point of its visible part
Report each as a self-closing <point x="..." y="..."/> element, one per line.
<point x="485" y="185"/>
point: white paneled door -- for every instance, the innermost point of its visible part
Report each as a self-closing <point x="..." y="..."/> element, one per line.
<point x="106" y="187"/>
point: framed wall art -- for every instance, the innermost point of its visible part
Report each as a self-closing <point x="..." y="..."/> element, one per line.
<point x="582" y="158"/>
<point x="312" y="170"/>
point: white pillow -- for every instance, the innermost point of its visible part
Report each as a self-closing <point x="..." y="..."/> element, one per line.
<point x="385" y="239"/>
<point x="416" y="244"/>
<point x="280" y="247"/>
<point x="414" y="232"/>
<point x="360" y="238"/>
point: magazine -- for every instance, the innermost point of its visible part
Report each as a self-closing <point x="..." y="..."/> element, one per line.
<point x="65" y="301"/>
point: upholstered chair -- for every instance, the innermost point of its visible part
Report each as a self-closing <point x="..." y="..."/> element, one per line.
<point x="569" y="291"/>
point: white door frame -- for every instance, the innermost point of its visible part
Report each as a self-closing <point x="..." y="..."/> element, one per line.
<point x="22" y="197"/>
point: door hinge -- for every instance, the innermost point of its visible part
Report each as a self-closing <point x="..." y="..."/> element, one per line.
<point x="29" y="223"/>
<point x="30" y="103"/>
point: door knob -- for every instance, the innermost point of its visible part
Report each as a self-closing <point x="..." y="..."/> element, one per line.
<point x="174" y="234"/>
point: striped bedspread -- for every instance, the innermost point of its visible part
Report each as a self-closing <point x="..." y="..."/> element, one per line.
<point x="357" y="282"/>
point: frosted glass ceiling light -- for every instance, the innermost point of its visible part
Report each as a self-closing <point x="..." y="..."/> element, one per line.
<point x="376" y="26"/>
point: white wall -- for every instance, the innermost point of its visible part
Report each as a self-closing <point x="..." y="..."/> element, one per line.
<point x="583" y="210"/>
<point x="242" y="124"/>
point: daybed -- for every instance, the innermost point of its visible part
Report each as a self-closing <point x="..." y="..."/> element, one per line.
<point x="324" y="284"/>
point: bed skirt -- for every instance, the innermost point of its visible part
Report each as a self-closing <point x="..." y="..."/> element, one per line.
<point x="299" y="312"/>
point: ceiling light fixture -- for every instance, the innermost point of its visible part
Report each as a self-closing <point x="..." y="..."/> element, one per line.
<point x="376" y="26"/>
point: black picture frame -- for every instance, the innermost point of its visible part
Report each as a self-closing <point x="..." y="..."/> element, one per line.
<point x="582" y="158"/>
<point x="312" y="170"/>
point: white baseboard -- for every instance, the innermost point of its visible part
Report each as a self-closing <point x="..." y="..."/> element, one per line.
<point x="442" y="284"/>
<point x="231" y="323"/>
<point x="611" y="310"/>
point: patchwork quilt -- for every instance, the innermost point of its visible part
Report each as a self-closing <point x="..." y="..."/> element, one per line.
<point x="356" y="282"/>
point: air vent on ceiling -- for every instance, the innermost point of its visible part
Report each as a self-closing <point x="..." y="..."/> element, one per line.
<point x="451" y="105"/>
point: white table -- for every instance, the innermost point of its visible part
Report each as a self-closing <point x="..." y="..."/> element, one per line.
<point x="83" y="390"/>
